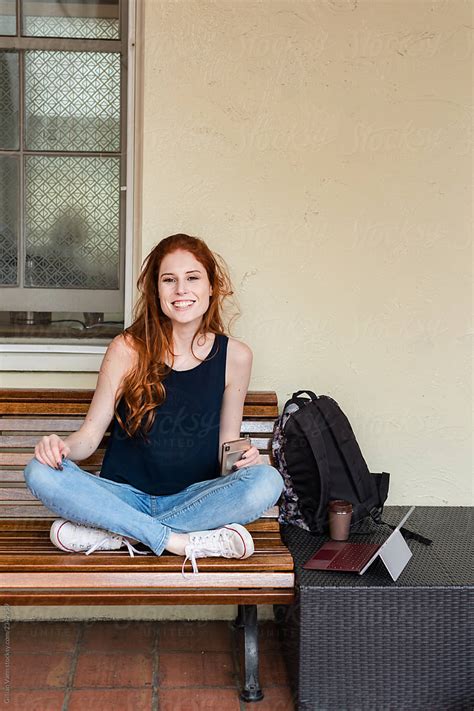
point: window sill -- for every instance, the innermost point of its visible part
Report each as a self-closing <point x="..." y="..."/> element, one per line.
<point x="51" y="357"/>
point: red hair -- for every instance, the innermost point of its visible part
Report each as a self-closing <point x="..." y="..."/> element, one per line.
<point x="151" y="333"/>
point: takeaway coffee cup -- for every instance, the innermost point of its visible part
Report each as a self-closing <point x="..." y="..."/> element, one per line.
<point x="340" y="514"/>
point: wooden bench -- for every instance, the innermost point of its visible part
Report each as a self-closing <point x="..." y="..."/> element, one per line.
<point x="34" y="572"/>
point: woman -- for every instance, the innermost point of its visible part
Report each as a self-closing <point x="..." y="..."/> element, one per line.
<point x="174" y="385"/>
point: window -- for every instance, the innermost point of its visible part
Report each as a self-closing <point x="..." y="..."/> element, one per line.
<point x="63" y="108"/>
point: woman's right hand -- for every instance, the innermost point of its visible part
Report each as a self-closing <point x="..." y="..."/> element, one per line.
<point x="51" y="450"/>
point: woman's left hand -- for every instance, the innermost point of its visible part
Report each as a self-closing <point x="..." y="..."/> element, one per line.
<point x="249" y="459"/>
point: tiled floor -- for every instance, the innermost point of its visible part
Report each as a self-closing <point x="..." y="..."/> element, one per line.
<point x="136" y="666"/>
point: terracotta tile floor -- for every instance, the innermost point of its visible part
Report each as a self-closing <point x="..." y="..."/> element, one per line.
<point x="137" y="666"/>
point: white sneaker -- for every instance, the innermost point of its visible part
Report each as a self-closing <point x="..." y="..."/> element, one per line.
<point x="76" y="537"/>
<point x="232" y="541"/>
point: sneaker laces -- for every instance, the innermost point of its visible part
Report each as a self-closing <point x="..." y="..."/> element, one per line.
<point x="219" y="539"/>
<point x="110" y="538"/>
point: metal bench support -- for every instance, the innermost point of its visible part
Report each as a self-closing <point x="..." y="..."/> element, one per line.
<point x="247" y="620"/>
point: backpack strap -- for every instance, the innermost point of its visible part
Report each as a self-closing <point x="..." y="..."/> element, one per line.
<point x="416" y="536"/>
<point x="343" y="455"/>
<point x="376" y="518"/>
<point x="410" y="534"/>
<point x="315" y="440"/>
<point x="312" y="395"/>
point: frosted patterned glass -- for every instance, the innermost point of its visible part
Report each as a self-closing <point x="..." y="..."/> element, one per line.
<point x="56" y="18"/>
<point x="8" y="220"/>
<point x="72" y="101"/>
<point x="72" y="222"/>
<point x="9" y="100"/>
<point x="7" y="17"/>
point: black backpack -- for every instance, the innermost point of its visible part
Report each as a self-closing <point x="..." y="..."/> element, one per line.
<point x="317" y="454"/>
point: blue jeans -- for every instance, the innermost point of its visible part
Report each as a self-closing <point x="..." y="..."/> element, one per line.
<point x="79" y="496"/>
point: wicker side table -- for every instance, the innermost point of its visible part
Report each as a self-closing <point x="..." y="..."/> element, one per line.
<point x="363" y="643"/>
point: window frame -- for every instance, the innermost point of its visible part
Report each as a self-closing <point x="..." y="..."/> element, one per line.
<point x="81" y="357"/>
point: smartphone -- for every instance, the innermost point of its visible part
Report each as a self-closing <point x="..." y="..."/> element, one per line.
<point x="232" y="452"/>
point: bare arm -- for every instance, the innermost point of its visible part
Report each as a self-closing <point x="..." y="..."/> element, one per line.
<point x="239" y="367"/>
<point x="116" y="363"/>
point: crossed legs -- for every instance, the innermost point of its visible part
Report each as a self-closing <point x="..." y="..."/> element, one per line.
<point x="156" y="521"/>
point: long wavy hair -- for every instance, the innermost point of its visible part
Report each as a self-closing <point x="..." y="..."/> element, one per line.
<point x="151" y="333"/>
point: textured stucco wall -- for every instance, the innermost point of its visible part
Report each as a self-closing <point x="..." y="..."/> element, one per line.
<point x="323" y="149"/>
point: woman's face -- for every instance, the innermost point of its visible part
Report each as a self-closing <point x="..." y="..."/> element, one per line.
<point x="183" y="287"/>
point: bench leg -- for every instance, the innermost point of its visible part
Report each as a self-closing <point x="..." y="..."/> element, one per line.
<point x="279" y="613"/>
<point x="247" y="619"/>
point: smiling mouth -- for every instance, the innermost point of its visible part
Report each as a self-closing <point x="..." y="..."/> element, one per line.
<point x="182" y="305"/>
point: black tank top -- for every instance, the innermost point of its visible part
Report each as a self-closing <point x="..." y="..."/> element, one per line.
<point x="184" y="438"/>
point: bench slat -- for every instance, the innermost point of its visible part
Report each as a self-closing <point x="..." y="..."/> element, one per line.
<point x="176" y="596"/>
<point x="28" y="554"/>
<point x="79" y="408"/>
<point x="123" y="580"/>
<point x="19" y="440"/>
<point x="14" y="494"/>
<point x="12" y="476"/>
<point x="76" y="402"/>
<point x="27" y="513"/>
<point x="15" y="544"/>
<point x="22" y="458"/>
<point x="41" y="394"/>
<point x="24" y="510"/>
<point x="36" y="424"/>
<point x="31" y="514"/>
<point x="263" y="529"/>
<point x="23" y="441"/>
<point x="266" y="558"/>
<point x="39" y="408"/>
<point x="67" y="424"/>
<point x="256" y="397"/>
